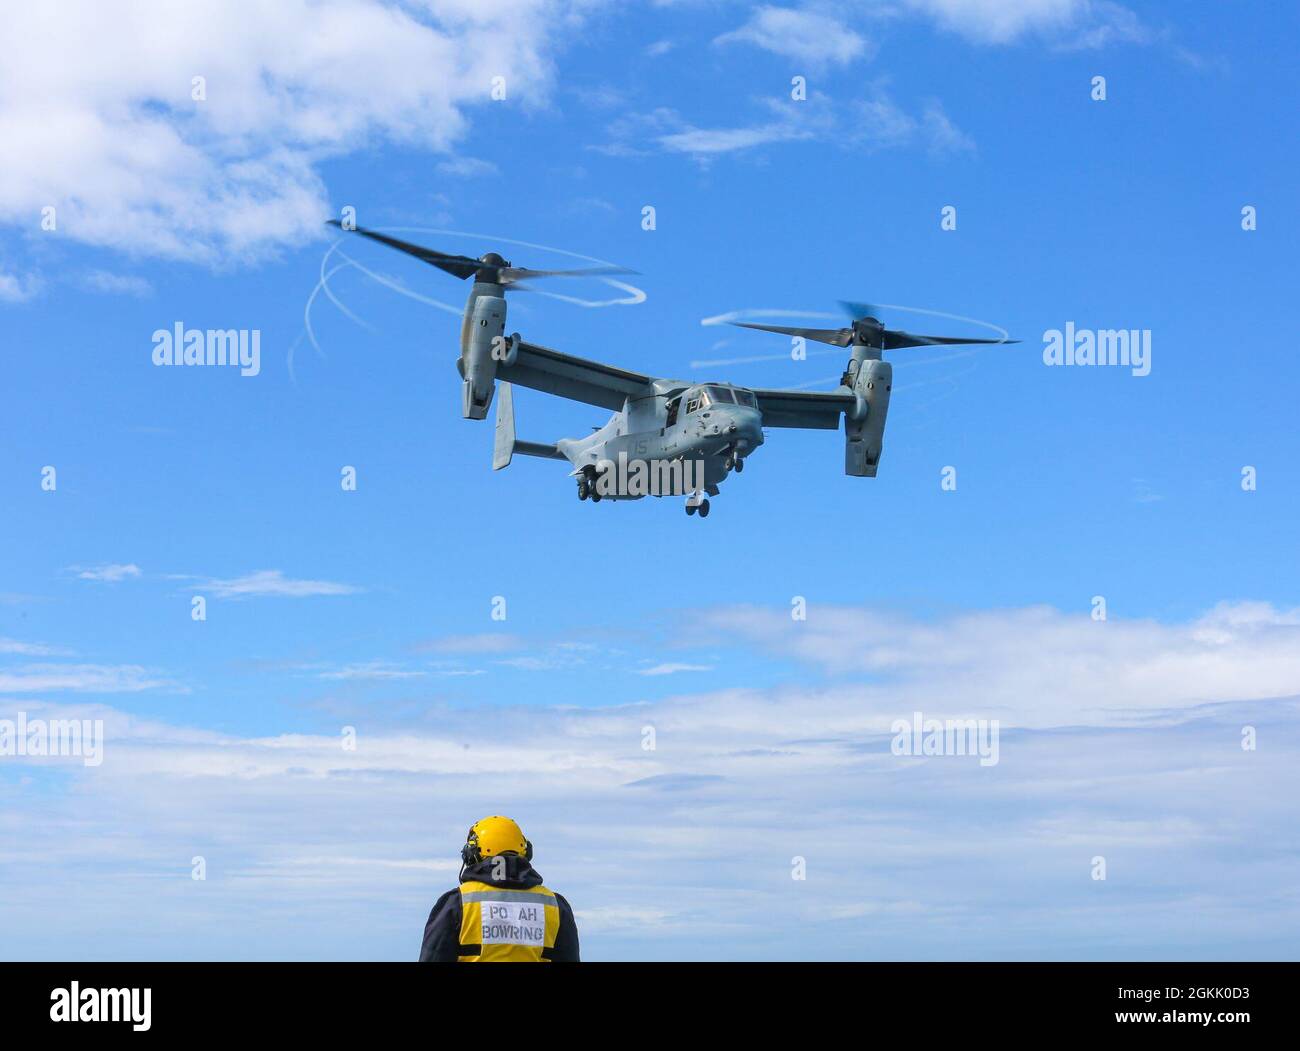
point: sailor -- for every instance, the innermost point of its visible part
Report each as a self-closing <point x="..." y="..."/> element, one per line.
<point x="501" y="912"/>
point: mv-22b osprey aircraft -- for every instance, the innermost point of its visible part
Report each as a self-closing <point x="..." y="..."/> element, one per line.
<point x="666" y="437"/>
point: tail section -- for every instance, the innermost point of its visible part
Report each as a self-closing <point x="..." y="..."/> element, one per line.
<point x="505" y="444"/>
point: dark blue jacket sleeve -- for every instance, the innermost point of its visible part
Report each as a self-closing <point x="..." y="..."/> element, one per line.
<point x="566" y="938"/>
<point x="442" y="932"/>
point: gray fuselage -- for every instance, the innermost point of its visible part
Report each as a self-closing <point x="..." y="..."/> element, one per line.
<point x="679" y="442"/>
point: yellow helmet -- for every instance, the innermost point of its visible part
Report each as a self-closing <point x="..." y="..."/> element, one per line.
<point x="492" y="836"/>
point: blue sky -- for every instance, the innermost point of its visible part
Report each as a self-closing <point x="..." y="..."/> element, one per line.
<point x="372" y="609"/>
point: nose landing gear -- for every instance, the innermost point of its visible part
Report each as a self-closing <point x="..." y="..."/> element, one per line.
<point x="695" y="502"/>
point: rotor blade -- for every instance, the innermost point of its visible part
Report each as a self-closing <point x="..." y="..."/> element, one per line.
<point x="896" y="340"/>
<point x="508" y="275"/>
<point x="461" y="266"/>
<point x="836" y="337"/>
<point x="858" y="311"/>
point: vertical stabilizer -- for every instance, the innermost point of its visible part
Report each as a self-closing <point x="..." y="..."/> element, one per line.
<point x="503" y="447"/>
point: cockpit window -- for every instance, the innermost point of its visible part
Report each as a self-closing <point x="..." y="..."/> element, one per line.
<point x="720" y="395"/>
<point x="745" y="397"/>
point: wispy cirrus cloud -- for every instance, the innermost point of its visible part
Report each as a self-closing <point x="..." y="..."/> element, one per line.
<point x="30" y="649"/>
<point x="272" y="583"/>
<point x="867" y="124"/>
<point x="483" y="642"/>
<point x="81" y="678"/>
<point x="107" y="573"/>
<point x="467" y="168"/>
<point x="833" y="35"/>
<point x="879" y="123"/>
<point x="1037" y="666"/>
<point x="19" y="287"/>
<point x="117" y="284"/>
<point x="673" y="668"/>
<point x="371" y="671"/>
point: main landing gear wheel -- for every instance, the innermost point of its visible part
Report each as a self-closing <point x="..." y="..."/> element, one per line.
<point x="583" y="490"/>
<point x="740" y="465"/>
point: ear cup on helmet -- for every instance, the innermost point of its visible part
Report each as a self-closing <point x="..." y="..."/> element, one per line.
<point x="528" y="850"/>
<point x="470" y="853"/>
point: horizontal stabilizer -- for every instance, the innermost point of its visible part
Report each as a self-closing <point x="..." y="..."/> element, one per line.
<point x="547" y="452"/>
<point x="505" y="444"/>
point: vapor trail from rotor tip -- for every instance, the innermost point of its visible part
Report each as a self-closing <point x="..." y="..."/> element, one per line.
<point x="764" y="312"/>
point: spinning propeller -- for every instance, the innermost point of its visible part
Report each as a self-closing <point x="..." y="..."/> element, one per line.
<point x="866" y="330"/>
<point x="490" y="268"/>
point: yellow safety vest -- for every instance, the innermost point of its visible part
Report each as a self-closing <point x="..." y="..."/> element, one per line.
<point x="504" y="926"/>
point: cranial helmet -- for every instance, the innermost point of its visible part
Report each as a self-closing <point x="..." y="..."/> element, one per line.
<point x="493" y="836"/>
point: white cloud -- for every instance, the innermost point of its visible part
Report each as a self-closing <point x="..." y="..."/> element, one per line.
<point x="378" y="671"/>
<point x="671" y="668"/>
<point x="1074" y="23"/>
<point x="1106" y="24"/>
<point x="18" y="288"/>
<point x="467" y="168"/>
<point x="486" y="642"/>
<point x="1032" y="667"/>
<point x="29" y="649"/>
<point x="554" y="659"/>
<point x="98" y="118"/>
<point x="1122" y="758"/>
<point x="87" y="678"/>
<point x="879" y="123"/>
<point x="665" y="130"/>
<point x="804" y="35"/>
<point x="273" y="582"/>
<point x="117" y="284"/>
<point x="109" y="573"/>
<point x="702" y="142"/>
<point x="999" y="21"/>
<point x="941" y="134"/>
<point x="874" y="123"/>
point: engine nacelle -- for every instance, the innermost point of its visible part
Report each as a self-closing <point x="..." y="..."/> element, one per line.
<point x="864" y="436"/>
<point x="483" y="347"/>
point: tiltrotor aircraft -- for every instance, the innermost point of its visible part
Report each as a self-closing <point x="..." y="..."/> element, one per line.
<point x="666" y="437"/>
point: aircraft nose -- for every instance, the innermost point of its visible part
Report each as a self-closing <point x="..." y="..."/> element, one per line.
<point x="747" y="426"/>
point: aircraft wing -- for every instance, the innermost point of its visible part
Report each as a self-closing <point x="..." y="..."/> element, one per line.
<point x="816" y="409"/>
<point x="578" y="379"/>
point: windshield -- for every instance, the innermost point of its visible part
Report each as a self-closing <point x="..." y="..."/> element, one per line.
<point x="720" y="395"/>
<point x="744" y="397"/>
